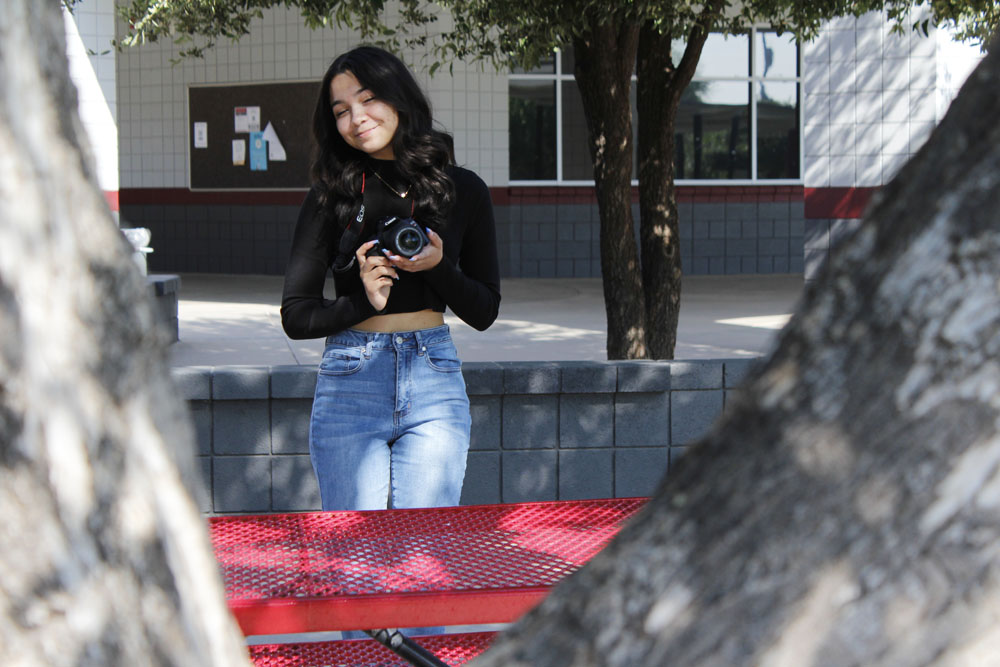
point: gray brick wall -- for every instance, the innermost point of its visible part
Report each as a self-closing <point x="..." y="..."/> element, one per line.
<point x="535" y="240"/>
<point x="204" y="238"/>
<point x="821" y="236"/>
<point x="549" y="241"/>
<point x="540" y="431"/>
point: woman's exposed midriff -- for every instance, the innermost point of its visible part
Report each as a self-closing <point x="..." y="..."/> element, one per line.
<point x="421" y="319"/>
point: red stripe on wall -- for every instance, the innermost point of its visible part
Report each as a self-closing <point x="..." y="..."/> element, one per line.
<point x="837" y="202"/>
<point x="111" y="196"/>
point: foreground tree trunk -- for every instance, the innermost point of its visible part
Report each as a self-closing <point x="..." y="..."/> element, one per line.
<point x="105" y="558"/>
<point x="844" y="511"/>
<point x="604" y="61"/>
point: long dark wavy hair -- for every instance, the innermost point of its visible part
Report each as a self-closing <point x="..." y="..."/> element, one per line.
<point x="421" y="152"/>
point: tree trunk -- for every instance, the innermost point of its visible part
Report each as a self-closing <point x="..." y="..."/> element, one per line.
<point x="659" y="87"/>
<point x="105" y="558"/>
<point x="604" y="61"/>
<point x="659" y="233"/>
<point x="844" y="510"/>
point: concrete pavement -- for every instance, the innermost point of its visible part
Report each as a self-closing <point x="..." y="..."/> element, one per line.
<point x="234" y="320"/>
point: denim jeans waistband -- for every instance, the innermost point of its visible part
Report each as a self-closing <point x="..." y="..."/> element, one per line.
<point x="387" y="341"/>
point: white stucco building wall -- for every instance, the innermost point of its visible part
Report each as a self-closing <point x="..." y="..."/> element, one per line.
<point x="92" y="64"/>
<point x="872" y="97"/>
<point x="152" y="96"/>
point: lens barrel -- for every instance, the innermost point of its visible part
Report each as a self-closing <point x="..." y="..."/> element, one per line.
<point x="408" y="242"/>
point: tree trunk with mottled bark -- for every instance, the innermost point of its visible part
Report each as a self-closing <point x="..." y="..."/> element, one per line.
<point x="658" y="98"/>
<point x="845" y="510"/>
<point x="659" y="86"/>
<point x="604" y="61"/>
<point x="105" y="558"/>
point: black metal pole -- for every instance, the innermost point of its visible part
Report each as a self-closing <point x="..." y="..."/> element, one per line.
<point x="406" y="648"/>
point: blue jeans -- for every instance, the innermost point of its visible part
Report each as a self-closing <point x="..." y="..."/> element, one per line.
<point x="390" y="421"/>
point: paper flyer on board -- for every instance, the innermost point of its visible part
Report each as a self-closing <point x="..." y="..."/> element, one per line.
<point x="201" y="135"/>
<point x="246" y="119"/>
<point x="275" y="150"/>
<point x="258" y="152"/>
<point x="239" y="152"/>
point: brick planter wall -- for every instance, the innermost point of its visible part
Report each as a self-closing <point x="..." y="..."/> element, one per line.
<point x="540" y="430"/>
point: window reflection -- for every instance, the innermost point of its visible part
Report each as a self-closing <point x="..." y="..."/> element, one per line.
<point x="568" y="61"/>
<point x="778" y="130"/>
<point x="712" y="139"/>
<point x="577" y="165"/>
<point x="723" y="56"/>
<point x="532" y="107"/>
<point x="776" y="57"/>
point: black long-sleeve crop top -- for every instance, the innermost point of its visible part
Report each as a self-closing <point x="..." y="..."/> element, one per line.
<point x="467" y="279"/>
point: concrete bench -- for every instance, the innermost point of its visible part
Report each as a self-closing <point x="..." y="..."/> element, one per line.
<point x="164" y="290"/>
<point x="470" y="565"/>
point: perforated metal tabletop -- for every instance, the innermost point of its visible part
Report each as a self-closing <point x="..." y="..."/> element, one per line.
<point x="454" y="650"/>
<point x="288" y="573"/>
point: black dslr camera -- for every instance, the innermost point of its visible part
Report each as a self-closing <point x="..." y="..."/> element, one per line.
<point x="400" y="236"/>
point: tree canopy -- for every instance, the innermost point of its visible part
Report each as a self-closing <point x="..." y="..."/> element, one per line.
<point x="509" y="33"/>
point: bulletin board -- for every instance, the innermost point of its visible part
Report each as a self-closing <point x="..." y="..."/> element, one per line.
<point x="272" y="121"/>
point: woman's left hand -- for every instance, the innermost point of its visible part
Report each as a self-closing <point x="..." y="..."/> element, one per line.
<point x="424" y="260"/>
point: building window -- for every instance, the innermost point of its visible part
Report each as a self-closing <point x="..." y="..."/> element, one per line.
<point x="739" y="120"/>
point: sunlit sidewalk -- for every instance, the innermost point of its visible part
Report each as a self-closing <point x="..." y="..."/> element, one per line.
<point x="233" y="320"/>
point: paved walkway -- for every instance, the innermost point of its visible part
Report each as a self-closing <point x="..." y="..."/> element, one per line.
<point x="234" y="320"/>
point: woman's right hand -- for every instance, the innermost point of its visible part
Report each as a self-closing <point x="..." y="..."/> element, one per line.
<point x="377" y="275"/>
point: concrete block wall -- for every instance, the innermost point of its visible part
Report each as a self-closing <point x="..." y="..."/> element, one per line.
<point x="727" y="231"/>
<point x="217" y="238"/>
<point x="540" y="431"/>
<point x="749" y="237"/>
<point x="534" y="240"/>
<point x="822" y="235"/>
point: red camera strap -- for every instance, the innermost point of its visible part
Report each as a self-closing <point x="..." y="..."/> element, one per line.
<point x="360" y="218"/>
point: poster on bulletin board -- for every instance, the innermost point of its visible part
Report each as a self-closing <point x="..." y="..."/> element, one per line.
<point x="251" y="136"/>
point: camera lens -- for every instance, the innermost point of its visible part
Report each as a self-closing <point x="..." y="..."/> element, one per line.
<point x="408" y="242"/>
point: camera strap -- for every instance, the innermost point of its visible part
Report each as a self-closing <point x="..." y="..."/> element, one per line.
<point x="349" y="239"/>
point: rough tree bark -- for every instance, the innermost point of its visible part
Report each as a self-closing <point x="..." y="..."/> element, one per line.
<point x="657" y="99"/>
<point x="604" y="60"/>
<point x="659" y="87"/>
<point x="844" y="511"/>
<point x="105" y="558"/>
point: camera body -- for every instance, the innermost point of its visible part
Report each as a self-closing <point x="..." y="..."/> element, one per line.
<point x="400" y="236"/>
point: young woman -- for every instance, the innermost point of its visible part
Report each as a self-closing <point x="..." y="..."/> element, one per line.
<point x="390" y="419"/>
